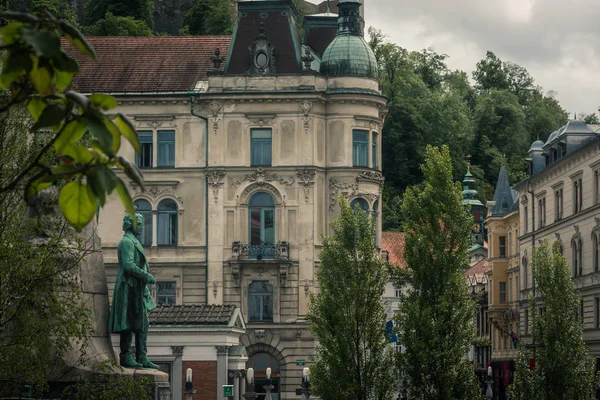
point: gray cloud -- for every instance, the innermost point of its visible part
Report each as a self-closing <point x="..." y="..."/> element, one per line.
<point x="558" y="41"/>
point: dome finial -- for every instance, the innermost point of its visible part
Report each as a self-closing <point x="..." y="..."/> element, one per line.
<point x="468" y="157"/>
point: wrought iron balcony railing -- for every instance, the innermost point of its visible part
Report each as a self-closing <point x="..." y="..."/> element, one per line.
<point x="263" y="251"/>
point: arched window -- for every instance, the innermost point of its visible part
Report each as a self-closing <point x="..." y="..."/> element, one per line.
<point x="262" y="220"/>
<point x="596" y="250"/>
<point x="362" y="203"/>
<point x="144" y="208"/>
<point x="577" y="256"/>
<point x="260" y="302"/>
<point x="167" y="223"/>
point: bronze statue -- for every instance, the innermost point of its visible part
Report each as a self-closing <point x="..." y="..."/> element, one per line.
<point x="132" y="300"/>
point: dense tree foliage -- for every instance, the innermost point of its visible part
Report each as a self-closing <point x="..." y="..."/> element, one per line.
<point x="112" y="25"/>
<point x="208" y="17"/>
<point x="563" y="368"/>
<point x="352" y="359"/>
<point x="59" y="8"/>
<point x="435" y="322"/>
<point x="141" y="10"/>
<point x="502" y="113"/>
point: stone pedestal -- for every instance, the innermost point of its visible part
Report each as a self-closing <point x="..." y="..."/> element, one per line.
<point x="161" y="388"/>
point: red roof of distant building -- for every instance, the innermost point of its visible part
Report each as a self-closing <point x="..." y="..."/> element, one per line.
<point x="393" y="243"/>
<point x="147" y="64"/>
<point x="479" y="268"/>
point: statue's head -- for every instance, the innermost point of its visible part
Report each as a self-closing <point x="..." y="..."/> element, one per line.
<point x="128" y="224"/>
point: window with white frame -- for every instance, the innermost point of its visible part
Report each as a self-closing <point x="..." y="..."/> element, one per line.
<point x="145" y="209"/>
<point x="166" y="293"/>
<point x="541" y="213"/>
<point x="502" y="246"/>
<point x="558" y="204"/>
<point x="164" y="143"/>
<point x="577" y="195"/>
<point x="261" y="147"/>
<point x="167" y="223"/>
<point x="576" y="249"/>
<point x="502" y="290"/>
<point x="260" y="301"/>
<point x="360" y="148"/>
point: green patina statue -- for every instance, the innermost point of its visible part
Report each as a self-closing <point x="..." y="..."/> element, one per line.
<point x="132" y="300"/>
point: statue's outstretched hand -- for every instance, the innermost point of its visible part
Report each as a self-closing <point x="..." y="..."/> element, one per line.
<point x="150" y="279"/>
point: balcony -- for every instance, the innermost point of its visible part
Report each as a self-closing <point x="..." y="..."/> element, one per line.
<point x="264" y="251"/>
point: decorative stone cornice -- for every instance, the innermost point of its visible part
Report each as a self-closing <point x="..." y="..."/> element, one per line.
<point x="346" y="189"/>
<point x="154" y="122"/>
<point x="260" y="177"/>
<point x="372" y="176"/>
<point x="216" y="179"/>
<point x="157" y="189"/>
<point x="306" y="179"/>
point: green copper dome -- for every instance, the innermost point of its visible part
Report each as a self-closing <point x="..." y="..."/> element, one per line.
<point x="349" y="54"/>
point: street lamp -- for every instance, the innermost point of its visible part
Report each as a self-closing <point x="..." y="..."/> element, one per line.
<point x="305" y="384"/>
<point x="250" y="392"/>
<point x="489" y="394"/>
<point x="189" y="386"/>
<point x="268" y="387"/>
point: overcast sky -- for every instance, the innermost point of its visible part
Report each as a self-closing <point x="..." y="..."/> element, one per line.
<point x="558" y="41"/>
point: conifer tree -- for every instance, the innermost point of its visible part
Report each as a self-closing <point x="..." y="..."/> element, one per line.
<point x="436" y="314"/>
<point x="347" y="317"/>
<point x="562" y="368"/>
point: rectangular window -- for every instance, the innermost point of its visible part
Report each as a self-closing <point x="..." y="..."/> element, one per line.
<point x="374" y="149"/>
<point x="502" y="292"/>
<point x="526" y="321"/>
<point x="526" y="220"/>
<point x="541" y="213"/>
<point x="509" y="243"/>
<point x="577" y="196"/>
<point x="510" y="289"/>
<point x="518" y="289"/>
<point x="360" y="148"/>
<point x="558" y="205"/>
<point x="260" y="147"/>
<point x="398" y="293"/>
<point x="581" y="310"/>
<point x="502" y="246"/>
<point x="166" y="293"/>
<point x="144" y="159"/>
<point x="597" y="186"/>
<point x="166" y="148"/>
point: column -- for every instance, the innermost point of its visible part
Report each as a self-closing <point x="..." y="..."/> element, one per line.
<point x="154" y="227"/>
<point x="242" y="384"/>
<point x="236" y="383"/>
<point x="177" y="373"/>
<point x="222" y="370"/>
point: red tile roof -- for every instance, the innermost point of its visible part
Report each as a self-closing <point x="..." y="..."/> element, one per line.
<point x="147" y="64"/>
<point x="393" y="243"/>
<point x="479" y="268"/>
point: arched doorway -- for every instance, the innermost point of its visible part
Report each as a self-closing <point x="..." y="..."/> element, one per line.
<point x="260" y="362"/>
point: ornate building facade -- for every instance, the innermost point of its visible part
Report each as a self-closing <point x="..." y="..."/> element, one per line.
<point x="247" y="142"/>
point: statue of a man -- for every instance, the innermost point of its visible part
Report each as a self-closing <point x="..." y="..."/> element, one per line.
<point x="132" y="300"/>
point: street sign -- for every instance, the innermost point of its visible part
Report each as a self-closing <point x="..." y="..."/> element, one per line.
<point x="300" y="363"/>
<point x="227" y="390"/>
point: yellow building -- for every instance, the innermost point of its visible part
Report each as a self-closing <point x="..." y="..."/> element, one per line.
<point x="502" y="224"/>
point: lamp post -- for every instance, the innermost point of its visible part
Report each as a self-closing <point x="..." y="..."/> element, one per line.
<point x="269" y="386"/>
<point x="305" y="384"/>
<point x="489" y="394"/>
<point x="250" y="391"/>
<point x="189" y="386"/>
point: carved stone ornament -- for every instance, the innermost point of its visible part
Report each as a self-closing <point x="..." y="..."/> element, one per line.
<point x="261" y="177"/>
<point x="306" y="178"/>
<point x="372" y="176"/>
<point x="215" y="288"/>
<point x="577" y="235"/>
<point x="524" y="199"/>
<point x="305" y="107"/>
<point x="222" y="350"/>
<point x="158" y="189"/>
<point x="283" y="274"/>
<point x="235" y="273"/>
<point x="259" y="334"/>
<point x="216" y="179"/>
<point x="336" y="186"/>
<point x="217" y="59"/>
<point x="262" y="55"/>
<point x="177" y="350"/>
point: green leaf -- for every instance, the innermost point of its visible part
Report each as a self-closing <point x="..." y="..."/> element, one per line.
<point x="36" y="106"/>
<point x="11" y="33"/>
<point x="62" y="79"/>
<point x="38" y="184"/>
<point x="128" y="131"/>
<point x="78" y="98"/>
<point x="17" y="62"/>
<point x="102" y="180"/>
<point x="44" y="43"/>
<point x="116" y="135"/>
<point x="104" y="101"/>
<point x="70" y="134"/>
<point x="132" y="171"/>
<point x="65" y="63"/>
<point x="102" y="134"/>
<point x="78" y="204"/>
<point x="52" y="115"/>
<point x="77" y="39"/>
<point x="78" y="153"/>
<point x="125" y="198"/>
<point x="41" y="79"/>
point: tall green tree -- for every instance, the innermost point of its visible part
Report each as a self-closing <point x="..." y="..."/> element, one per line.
<point x="563" y="367"/>
<point x="352" y="359"/>
<point x="208" y="17"/>
<point x="141" y="10"/>
<point x="60" y="9"/>
<point x="112" y="25"/>
<point x="436" y="314"/>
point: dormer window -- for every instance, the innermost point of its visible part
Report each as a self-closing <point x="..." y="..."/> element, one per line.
<point x="261" y="60"/>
